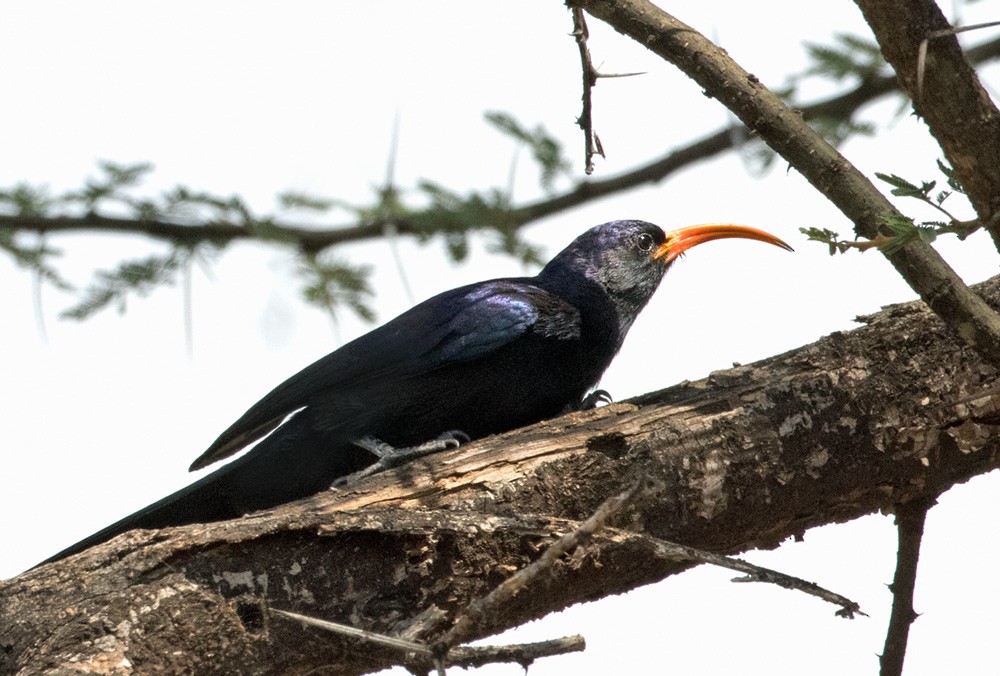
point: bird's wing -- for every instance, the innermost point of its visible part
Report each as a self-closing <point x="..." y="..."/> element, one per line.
<point x="494" y="314"/>
<point x="457" y="326"/>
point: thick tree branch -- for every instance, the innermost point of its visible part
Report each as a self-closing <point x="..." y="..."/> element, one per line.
<point x="825" y="168"/>
<point x="957" y="109"/>
<point x="890" y="413"/>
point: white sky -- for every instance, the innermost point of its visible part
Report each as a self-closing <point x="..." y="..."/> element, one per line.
<point x="257" y="98"/>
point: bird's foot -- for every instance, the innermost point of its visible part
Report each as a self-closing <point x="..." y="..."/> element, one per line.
<point x="593" y="399"/>
<point x="389" y="456"/>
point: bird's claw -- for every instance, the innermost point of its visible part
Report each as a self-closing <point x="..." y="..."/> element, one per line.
<point x="389" y="456"/>
<point x="450" y="439"/>
<point x="593" y="399"/>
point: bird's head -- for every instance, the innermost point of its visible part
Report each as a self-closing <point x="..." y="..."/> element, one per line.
<point x="629" y="258"/>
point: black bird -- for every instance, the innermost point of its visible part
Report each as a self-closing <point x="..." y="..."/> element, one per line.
<point x="481" y="359"/>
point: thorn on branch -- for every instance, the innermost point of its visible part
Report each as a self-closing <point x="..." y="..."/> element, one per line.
<point x="389" y="205"/>
<point x="922" y="50"/>
<point x="610" y="75"/>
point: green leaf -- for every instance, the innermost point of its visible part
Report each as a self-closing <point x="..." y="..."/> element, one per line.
<point x="124" y="175"/>
<point x="506" y="124"/>
<point x="545" y="149"/>
<point x="904" y="188"/>
<point x="116" y="178"/>
<point x="826" y="236"/>
<point x="850" y="56"/>
<point x="458" y="246"/>
<point x="36" y="258"/>
<point x="335" y="284"/>
<point x="140" y="276"/>
<point x="949" y="173"/>
<point x="27" y="200"/>
<point x="452" y="212"/>
<point x="146" y="209"/>
<point x="300" y="200"/>
<point x="898" y="224"/>
<point x="903" y="230"/>
<point x="510" y="242"/>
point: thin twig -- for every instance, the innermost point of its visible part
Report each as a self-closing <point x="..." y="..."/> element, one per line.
<point x="468" y="622"/>
<point x="392" y="642"/>
<point x="591" y="144"/>
<point x="522" y="653"/>
<point x="910" y="525"/>
<point x="754" y="573"/>
<point x="462" y="656"/>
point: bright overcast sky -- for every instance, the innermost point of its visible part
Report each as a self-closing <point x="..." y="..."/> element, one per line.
<point x="104" y="416"/>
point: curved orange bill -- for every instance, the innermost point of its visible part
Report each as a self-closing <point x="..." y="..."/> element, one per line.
<point x="682" y="239"/>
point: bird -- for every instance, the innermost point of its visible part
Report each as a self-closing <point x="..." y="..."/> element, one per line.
<point x="474" y="361"/>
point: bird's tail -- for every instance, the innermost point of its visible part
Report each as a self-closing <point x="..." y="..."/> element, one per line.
<point x="294" y="462"/>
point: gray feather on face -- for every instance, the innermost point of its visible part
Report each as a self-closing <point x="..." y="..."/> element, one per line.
<point x="618" y="256"/>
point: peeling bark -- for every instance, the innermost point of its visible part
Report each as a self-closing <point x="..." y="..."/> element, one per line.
<point x="857" y="422"/>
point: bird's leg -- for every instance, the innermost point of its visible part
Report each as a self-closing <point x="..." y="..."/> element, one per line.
<point x="593" y="399"/>
<point x="389" y="456"/>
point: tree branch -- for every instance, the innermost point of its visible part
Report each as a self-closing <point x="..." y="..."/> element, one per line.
<point x="317" y="238"/>
<point x="893" y="412"/>
<point x="825" y="168"/>
<point x="957" y="109"/>
<point x="460" y="656"/>
<point x="474" y="618"/>
<point x="910" y="518"/>
<point x="308" y="239"/>
<point x="591" y="144"/>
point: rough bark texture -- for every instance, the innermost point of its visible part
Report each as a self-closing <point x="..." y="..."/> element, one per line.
<point x="957" y="109"/>
<point x="858" y="422"/>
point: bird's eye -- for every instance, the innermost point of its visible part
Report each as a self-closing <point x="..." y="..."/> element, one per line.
<point x="644" y="241"/>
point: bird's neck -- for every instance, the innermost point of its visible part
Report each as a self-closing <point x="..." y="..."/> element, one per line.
<point x="602" y="326"/>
